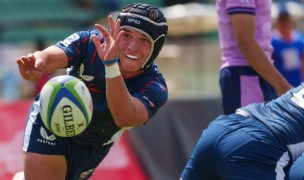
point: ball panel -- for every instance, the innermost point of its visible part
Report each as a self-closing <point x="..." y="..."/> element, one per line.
<point x="68" y="120"/>
<point x="64" y="93"/>
<point x="82" y="94"/>
<point x="53" y="96"/>
<point x="47" y="96"/>
<point x="62" y="79"/>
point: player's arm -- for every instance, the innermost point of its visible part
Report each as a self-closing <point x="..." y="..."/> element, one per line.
<point x="126" y="110"/>
<point x="32" y="66"/>
<point x="244" y="28"/>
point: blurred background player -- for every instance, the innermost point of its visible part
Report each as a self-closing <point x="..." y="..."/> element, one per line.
<point x="247" y="74"/>
<point x="288" y="48"/>
<point x="126" y="87"/>
<point x="260" y="141"/>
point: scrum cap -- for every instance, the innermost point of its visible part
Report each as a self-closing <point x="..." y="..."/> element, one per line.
<point x="148" y="20"/>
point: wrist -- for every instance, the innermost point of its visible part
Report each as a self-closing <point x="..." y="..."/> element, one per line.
<point x="112" y="70"/>
<point x="110" y="62"/>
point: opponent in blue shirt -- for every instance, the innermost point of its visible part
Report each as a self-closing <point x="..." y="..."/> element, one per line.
<point x="126" y="87"/>
<point x="288" y="54"/>
<point x="260" y="141"/>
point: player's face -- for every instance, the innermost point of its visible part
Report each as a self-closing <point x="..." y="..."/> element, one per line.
<point x="134" y="48"/>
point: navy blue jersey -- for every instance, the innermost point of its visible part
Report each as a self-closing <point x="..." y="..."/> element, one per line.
<point x="84" y="63"/>
<point x="285" y="118"/>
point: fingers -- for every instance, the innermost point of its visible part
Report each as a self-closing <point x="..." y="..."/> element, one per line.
<point x="103" y="30"/>
<point x="109" y="48"/>
<point x="35" y="75"/>
<point x="22" y="69"/>
<point x="120" y="34"/>
<point x="117" y="27"/>
<point x="26" y="65"/>
<point x="105" y="33"/>
<point x="96" y="41"/>
<point x="112" y="25"/>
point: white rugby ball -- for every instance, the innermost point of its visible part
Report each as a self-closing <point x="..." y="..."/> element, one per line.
<point x="65" y="106"/>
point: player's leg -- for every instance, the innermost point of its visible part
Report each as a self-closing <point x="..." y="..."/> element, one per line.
<point x="296" y="170"/>
<point x="250" y="151"/>
<point x="56" y="157"/>
<point x="43" y="151"/>
<point x="39" y="166"/>
<point x="201" y="163"/>
<point x="230" y="90"/>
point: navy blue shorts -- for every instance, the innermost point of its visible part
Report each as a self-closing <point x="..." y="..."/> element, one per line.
<point x="237" y="147"/>
<point x="241" y="86"/>
<point x="81" y="159"/>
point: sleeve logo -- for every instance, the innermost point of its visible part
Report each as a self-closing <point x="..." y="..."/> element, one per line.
<point x="72" y="38"/>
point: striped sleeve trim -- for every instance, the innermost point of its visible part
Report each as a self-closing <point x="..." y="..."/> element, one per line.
<point x="241" y="10"/>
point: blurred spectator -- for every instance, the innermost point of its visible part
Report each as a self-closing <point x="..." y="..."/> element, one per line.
<point x="288" y="48"/>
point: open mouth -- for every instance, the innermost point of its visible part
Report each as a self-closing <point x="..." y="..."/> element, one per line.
<point x="132" y="57"/>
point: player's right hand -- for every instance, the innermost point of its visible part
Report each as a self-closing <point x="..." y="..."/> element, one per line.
<point x="30" y="67"/>
<point x="109" y="48"/>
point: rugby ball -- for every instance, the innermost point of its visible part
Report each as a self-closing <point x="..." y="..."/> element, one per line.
<point x="65" y="106"/>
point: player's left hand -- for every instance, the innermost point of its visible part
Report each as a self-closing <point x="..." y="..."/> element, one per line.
<point x="109" y="48"/>
<point x="29" y="67"/>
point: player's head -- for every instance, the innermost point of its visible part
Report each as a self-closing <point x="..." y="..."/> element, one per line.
<point x="284" y="20"/>
<point x="283" y="14"/>
<point x="148" y="20"/>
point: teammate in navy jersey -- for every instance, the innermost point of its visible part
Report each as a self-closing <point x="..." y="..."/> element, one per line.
<point x="126" y="87"/>
<point x="262" y="141"/>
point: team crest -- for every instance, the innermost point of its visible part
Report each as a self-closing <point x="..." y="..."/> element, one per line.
<point x="84" y="77"/>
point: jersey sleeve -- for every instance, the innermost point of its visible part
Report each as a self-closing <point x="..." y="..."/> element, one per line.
<point x="153" y="95"/>
<point x="75" y="46"/>
<point x="240" y="7"/>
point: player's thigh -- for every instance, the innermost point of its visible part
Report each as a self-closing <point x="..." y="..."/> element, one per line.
<point x="243" y="155"/>
<point x="201" y="162"/>
<point x="40" y="166"/>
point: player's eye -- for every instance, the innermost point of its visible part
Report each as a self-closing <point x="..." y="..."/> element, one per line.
<point x="145" y="41"/>
<point x="126" y="35"/>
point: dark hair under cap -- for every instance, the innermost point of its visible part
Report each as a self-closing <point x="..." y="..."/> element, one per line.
<point x="148" y="20"/>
